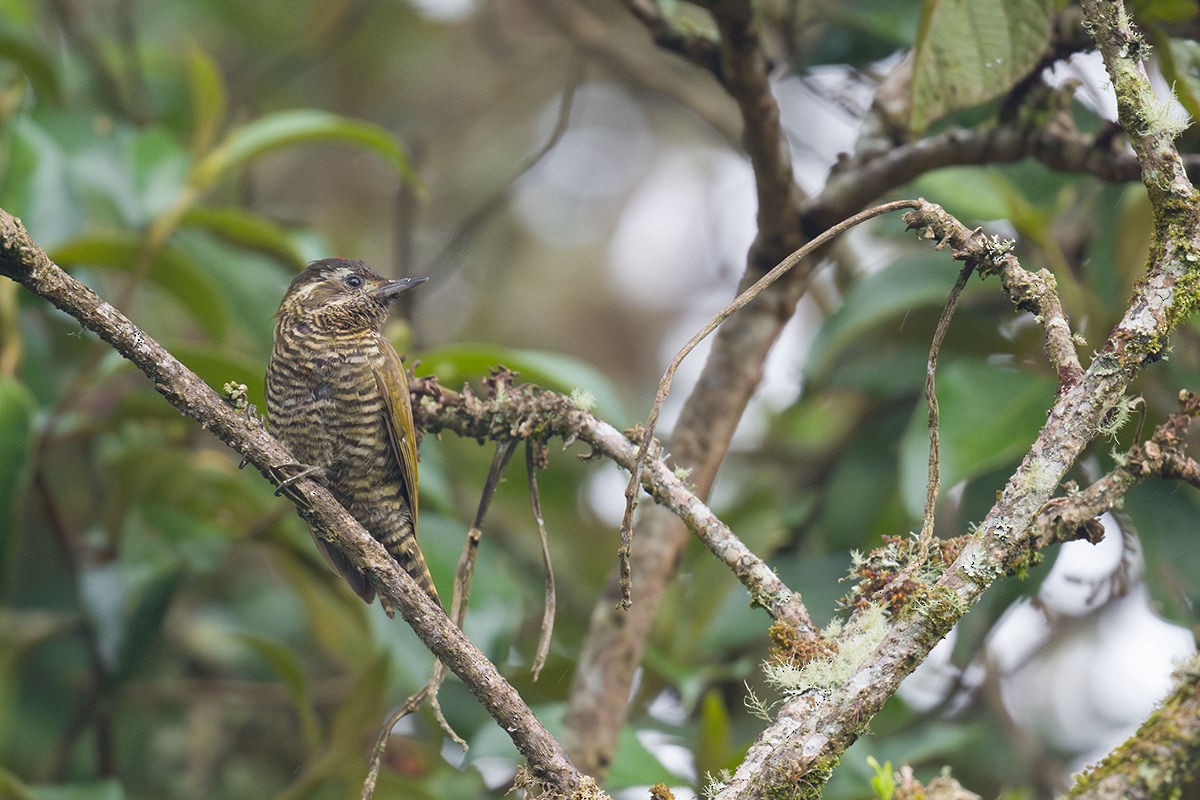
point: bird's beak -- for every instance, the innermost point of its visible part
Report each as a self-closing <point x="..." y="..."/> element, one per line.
<point x="393" y="289"/>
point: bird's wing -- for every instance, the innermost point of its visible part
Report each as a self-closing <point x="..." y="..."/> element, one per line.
<point x="393" y="386"/>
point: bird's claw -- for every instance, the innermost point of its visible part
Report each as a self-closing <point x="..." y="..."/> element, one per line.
<point x="283" y="485"/>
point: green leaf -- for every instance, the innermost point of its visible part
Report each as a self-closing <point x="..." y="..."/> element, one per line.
<point x="714" y="751"/>
<point x="32" y="59"/>
<point x="13" y="788"/>
<point x="158" y="169"/>
<point x="248" y="230"/>
<point x="17" y="408"/>
<point x="635" y="765"/>
<point x="37" y="184"/>
<point x="363" y="711"/>
<point x="284" y="129"/>
<point x="287" y="667"/>
<point x="206" y="91"/>
<point x="989" y="417"/>
<point x="908" y="284"/>
<point x="173" y="271"/>
<point x="969" y="51"/>
<point x="970" y="193"/>
<point x="143" y="621"/>
<point x="459" y="363"/>
<point x="336" y="616"/>
<point x="1165" y="10"/>
<point x="883" y="781"/>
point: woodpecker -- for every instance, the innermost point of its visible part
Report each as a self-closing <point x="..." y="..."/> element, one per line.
<point x="338" y="398"/>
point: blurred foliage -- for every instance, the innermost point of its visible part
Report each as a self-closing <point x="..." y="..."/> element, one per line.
<point x="166" y="628"/>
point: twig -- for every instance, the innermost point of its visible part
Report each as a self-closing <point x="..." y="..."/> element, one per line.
<point x="695" y="47"/>
<point x="476" y="219"/>
<point x="1029" y="291"/>
<point x="934" y="479"/>
<point x="535" y="503"/>
<point x="1065" y="518"/>
<point x="464" y="575"/>
<point x="664" y="384"/>
<point x="812" y="730"/>
<point x="409" y="706"/>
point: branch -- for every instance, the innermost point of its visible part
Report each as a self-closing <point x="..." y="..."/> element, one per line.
<point x="1034" y="292"/>
<point x="1161" y="756"/>
<point x="1161" y="455"/>
<point x="526" y="411"/>
<point x="815" y="728"/>
<point x="625" y="56"/>
<point x="857" y="180"/>
<point x="746" y="77"/>
<point x="23" y="261"/>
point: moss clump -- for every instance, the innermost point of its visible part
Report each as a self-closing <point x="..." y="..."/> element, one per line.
<point x="891" y="576"/>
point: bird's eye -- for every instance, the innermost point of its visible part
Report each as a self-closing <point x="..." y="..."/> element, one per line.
<point x="354" y="281"/>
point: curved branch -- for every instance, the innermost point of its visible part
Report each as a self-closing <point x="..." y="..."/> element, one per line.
<point x="24" y="262"/>
<point x="615" y="640"/>
<point x="857" y="180"/>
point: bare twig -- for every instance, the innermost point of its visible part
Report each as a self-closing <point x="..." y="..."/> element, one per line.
<point x="535" y="504"/>
<point x="615" y="641"/>
<point x="664" y="384"/>
<point x="934" y="479"/>
<point x="448" y="255"/>
<point x="1029" y="291"/>
<point x="694" y="46"/>
<point x="1063" y="518"/>
<point x="409" y="706"/>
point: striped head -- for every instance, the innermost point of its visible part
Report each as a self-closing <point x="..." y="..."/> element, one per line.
<point x="341" y="295"/>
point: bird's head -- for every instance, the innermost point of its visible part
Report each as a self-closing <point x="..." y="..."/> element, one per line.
<point x="341" y="294"/>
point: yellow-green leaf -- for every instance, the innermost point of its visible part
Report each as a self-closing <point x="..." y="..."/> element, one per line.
<point x="248" y="230"/>
<point x="206" y="91"/>
<point x="174" y="271"/>
<point x="285" y="129"/>
<point x="969" y="51"/>
<point x="287" y="667"/>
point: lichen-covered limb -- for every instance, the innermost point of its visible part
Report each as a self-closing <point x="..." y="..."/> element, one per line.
<point x="814" y="729"/>
<point x="24" y="262"/>
<point x="1161" y="756"/>
<point x="1035" y="292"/>
<point x="525" y="411"/>
<point x="1146" y="119"/>
<point x="1162" y="455"/>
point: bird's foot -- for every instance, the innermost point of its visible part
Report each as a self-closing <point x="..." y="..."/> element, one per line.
<point x="284" y="482"/>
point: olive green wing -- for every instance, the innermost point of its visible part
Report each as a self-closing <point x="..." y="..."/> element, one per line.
<point x="402" y="433"/>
